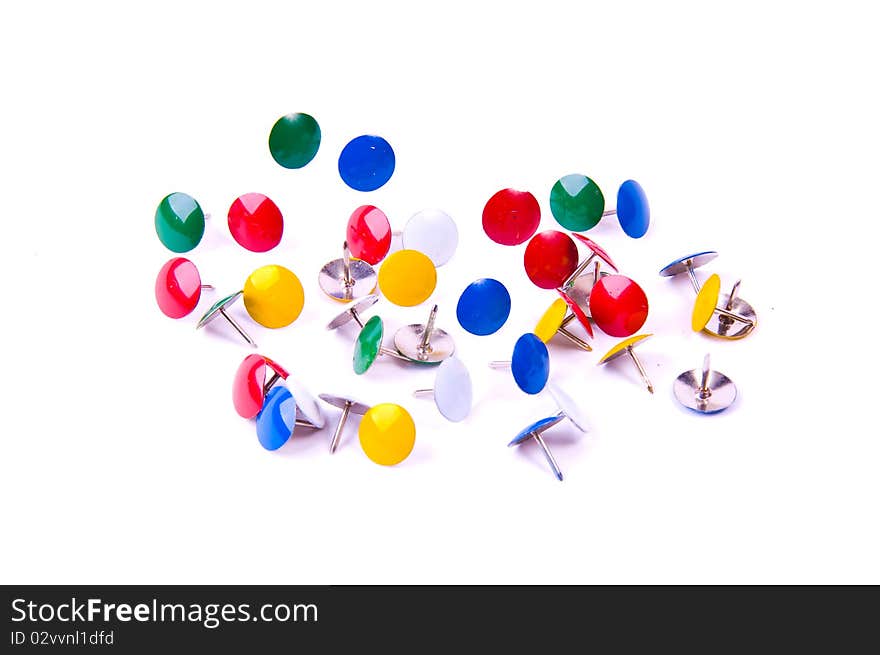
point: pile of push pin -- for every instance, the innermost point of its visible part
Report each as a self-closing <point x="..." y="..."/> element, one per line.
<point x="591" y="291"/>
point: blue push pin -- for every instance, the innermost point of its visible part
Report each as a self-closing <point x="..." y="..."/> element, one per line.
<point x="278" y="418"/>
<point x="632" y="210"/>
<point x="366" y="163"/>
<point x="483" y="307"/>
<point x="567" y="409"/>
<point x="530" y="364"/>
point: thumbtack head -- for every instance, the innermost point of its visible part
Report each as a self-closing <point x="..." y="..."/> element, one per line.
<point x="633" y="210"/>
<point x="368" y="345"/>
<point x="703" y="390"/>
<point x="347" y="278"/>
<point x="424" y="343"/>
<point x="368" y="234"/>
<point x="511" y="217"/>
<point x="530" y="363"/>
<point x="407" y="278"/>
<point x="277" y="418"/>
<point x="178" y="287"/>
<point x="273" y="296"/>
<point x="618" y="305"/>
<point x="180" y="222"/>
<point x="352" y="312"/>
<point x="250" y="385"/>
<point x="576" y="202"/>
<point x="483" y="307"/>
<point x="255" y="222"/>
<point x="550" y="259"/>
<point x="432" y="232"/>
<point x="453" y="391"/>
<point x="387" y="434"/>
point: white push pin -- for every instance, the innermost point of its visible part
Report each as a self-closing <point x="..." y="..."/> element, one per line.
<point x="452" y="392"/>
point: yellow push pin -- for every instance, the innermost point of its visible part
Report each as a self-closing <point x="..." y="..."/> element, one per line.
<point x="273" y="296"/>
<point x="387" y="434"/>
<point x="706" y="306"/>
<point x="407" y="278"/>
<point x="554" y="321"/>
<point x="625" y="347"/>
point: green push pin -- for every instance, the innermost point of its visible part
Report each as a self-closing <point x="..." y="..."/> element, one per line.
<point x="180" y="222"/>
<point x="294" y="140"/>
<point x="576" y="202"/>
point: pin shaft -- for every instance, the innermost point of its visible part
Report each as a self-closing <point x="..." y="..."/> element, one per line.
<point x="638" y="363"/>
<point x="337" y="433"/>
<point x="548" y="455"/>
<point x="580" y="343"/>
<point x="425" y="343"/>
<point x="237" y="327"/>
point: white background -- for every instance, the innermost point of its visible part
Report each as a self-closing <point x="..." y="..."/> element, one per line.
<point x="753" y="129"/>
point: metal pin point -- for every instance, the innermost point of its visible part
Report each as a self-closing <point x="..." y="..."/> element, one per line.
<point x="625" y="347"/>
<point x="704" y="390"/>
<point x="348" y="406"/>
<point x="555" y="318"/>
<point x="219" y="309"/>
<point x="347" y="278"/>
<point x="424" y="343"/>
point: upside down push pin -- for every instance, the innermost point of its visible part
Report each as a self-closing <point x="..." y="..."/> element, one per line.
<point x="352" y="312"/>
<point x="554" y="320"/>
<point x="625" y="347"/>
<point x="707" y="314"/>
<point x="219" y="309"/>
<point x="534" y="431"/>
<point x="597" y="254"/>
<point x="424" y="343"/>
<point x="347" y="278"/>
<point x="704" y="390"/>
<point x="452" y="392"/>
<point x="530" y="364"/>
<point x="348" y="407"/>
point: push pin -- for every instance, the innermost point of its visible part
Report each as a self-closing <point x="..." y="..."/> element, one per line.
<point x="452" y="392"/>
<point x="511" y="217"/>
<point x="348" y="406"/>
<point x="483" y="307"/>
<point x="366" y="162"/>
<point x="432" y="232"/>
<point x="597" y="255"/>
<point x="567" y="410"/>
<point x="530" y="364"/>
<point x="251" y="387"/>
<point x="352" y="312"/>
<point x="387" y="434"/>
<point x="576" y="313"/>
<point x="180" y="222"/>
<point x="407" y="278"/>
<point x="632" y="210"/>
<point x="179" y="287"/>
<point x="618" y="305"/>
<point x="255" y="222"/>
<point x="716" y="319"/>
<point x="219" y="309"/>
<point x="368" y="234"/>
<point x="368" y="346"/>
<point x="705" y="391"/>
<point x="550" y="259"/>
<point x="277" y="419"/>
<point x="553" y="321"/>
<point x="625" y="347"/>
<point x="273" y="297"/>
<point x="577" y="203"/>
<point x="347" y="278"/>
<point x="424" y="343"/>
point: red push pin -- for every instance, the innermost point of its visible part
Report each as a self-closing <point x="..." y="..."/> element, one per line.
<point x="550" y="259"/>
<point x="179" y="287"/>
<point x="255" y="222"/>
<point x="618" y="305"/>
<point x="511" y="217"/>
<point x="368" y="234"/>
